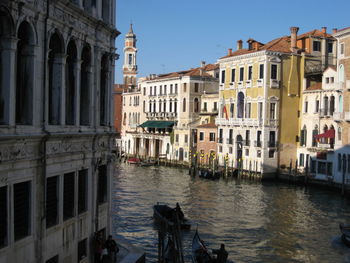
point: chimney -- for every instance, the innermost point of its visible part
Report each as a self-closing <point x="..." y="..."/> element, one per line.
<point x="324" y="30"/>
<point x="239" y="44"/>
<point x="230" y="51"/>
<point x="293" y="38"/>
<point x="202" y="64"/>
<point x="334" y="30"/>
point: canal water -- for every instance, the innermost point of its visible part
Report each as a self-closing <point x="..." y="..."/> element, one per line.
<point x="257" y="222"/>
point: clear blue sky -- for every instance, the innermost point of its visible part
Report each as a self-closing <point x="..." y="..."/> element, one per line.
<point x="173" y="35"/>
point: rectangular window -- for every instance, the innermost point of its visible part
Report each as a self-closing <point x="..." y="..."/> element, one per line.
<point x="247" y="137"/>
<point x="271" y="153"/>
<point x="21" y="210"/>
<point x="301" y="160"/>
<point x="229" y="150"/>
<point x="273" y="71"/>
<point x="246" y="152"/>
<point x="82" y="250"/>
<point x="82" y="190"/>
<point x="261" y="71"/>
<point x="306" y="106"/>
<point x="215" y="106"/>
<point x="241" y="74"/>
<point x="250" y="72"/>
<point x="272" y="111"/>
<point x="201" y="136"/>
<point x="171" y="88"/>
<point x="186" y="138"/>
<point x="327" y="80"/>
<point x="185" y="87"/>
<point x="175" y="88"/>
<point x="233" y="75"/>
<point x="68" y="195"/>
<point x="155" y="90"/>
<point x="330" y="47"/>
<point x="150" y="91"/>
<point x="102" y="184"/>
<point x="205" y="106"/>
<point x="52" y="198"/>
<point x="316" y="45"/>
<point x="165" y="90"/>
<point x="223" y="76"/>
<point x="176" y="138"/>
<point x="212" y="137"/>
<point x="342" y="49"/>
<point x="317" y="108"/>
<point x="196" y="87"/>
<point x="160" y="90"/>
<point x="220" y="149"/>
<point x="3" y="217"/>
<point x="260" y="110"/>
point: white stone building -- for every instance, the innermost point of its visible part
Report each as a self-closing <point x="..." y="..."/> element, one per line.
<point x="56" y="128"/>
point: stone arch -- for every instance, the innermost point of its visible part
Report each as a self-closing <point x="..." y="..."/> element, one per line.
<point x="25" y="74"/>
<point x="55" y="79"/>
<point x="85" y="85"/>
<point x="7" y="30"/>
<point x="71" y="82"/>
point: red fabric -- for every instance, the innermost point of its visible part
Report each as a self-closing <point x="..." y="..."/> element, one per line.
<point x="225" y="111"/>
<point x="328" y="134"/>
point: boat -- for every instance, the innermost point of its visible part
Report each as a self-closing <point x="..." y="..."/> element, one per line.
<point x="209" y="174"/>
<point x="133" y="160"/>
<point x="165" y="214"/>
<point x="146" y="163"/>
<point x="345" y="230"/>
<point x="200" y="253"/>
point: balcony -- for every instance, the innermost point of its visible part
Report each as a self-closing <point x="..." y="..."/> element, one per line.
<point x="221" y="87"/>
<point x="248" y="84"/>
<point x="240" y="84"/>
<point x="257" y="144"/>
<point x="260" y="82"/>
<point x="273" y="123"/>
<point x="232" y="85"/>
<point x="229" y="141"/>
<point x="274" y="84"/>
<point x="272" y="144"/>
<point x="338" y="116"/>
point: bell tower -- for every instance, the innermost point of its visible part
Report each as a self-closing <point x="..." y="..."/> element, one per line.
<point x="130" y="67"/>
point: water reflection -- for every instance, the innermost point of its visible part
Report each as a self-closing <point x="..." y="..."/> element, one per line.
<point x="267" y="222"/>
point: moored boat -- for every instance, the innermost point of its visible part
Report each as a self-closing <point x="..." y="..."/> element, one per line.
<point x="133" y="160"/>
<point x="345" y="230"/>
<point x="165" y="214"/>
<point x="200" y="253"/>
<point x="147" y="163"/>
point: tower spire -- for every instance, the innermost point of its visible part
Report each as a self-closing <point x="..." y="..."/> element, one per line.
<point x="130" y="66"/>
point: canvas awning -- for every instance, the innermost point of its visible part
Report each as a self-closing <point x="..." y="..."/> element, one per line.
<point x="328" y="134"/>
<point x="157" y="124"/>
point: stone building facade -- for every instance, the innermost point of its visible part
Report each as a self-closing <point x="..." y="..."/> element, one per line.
<point x="56" y="127"/>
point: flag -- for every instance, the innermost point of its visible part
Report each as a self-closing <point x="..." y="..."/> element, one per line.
<point x="225" y="112"/>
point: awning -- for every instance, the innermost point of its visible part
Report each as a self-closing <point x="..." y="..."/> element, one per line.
<point x="157" y="124"/>
<point x="328" y="134"/>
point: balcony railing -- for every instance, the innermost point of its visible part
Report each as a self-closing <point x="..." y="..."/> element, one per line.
<point x="257" y="143"/>
<point x="272" y="144"/>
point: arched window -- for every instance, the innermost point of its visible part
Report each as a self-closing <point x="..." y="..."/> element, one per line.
<point x="160" y="106"/>
<point x="331" y="105"/>
<point x="164" y="105"/>
<point x="196" y="105"/>
<point x="25" y="75"/>
<point x="340" y="103"/>
<point x="232" y="110"/>
<point x="303" y="136"/>
<point x="341" y="73"/>
<point x="7" y="38"/>
<point x="124" y="119"/>
<point x="150" y="106"/>
<point x="240" y="105"/>
<point x="171" y="106"/>
<point x="85" y="86"/>
<point x="175" y="105"/>
<point x="130" y="59"/>
<point x="104" y="81"/>
<point x="184" y="105"/>
<point x="325" y="105"/>
<point x="154" y="106"/>
<point x="71" y="79"/>
<point x="314" y="134"/>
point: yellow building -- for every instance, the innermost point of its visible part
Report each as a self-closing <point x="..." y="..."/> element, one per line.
<point x="259" y="107"/>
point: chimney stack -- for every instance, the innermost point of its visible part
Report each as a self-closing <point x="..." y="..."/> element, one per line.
<point x="324" y="30"/>
<point x="239" y="44"/>
<point x="293" y="38"/>
<point x="334" y="30"/>
<point x="230" y="51"/>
